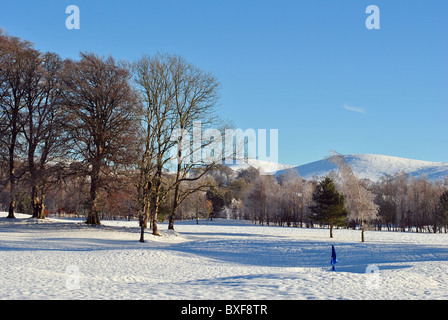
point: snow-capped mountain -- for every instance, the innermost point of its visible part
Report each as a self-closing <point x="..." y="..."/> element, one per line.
<point x="373" y="167"/>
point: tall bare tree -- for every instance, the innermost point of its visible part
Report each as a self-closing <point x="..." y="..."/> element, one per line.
<point x="194" y="100"/>
<point x="154" y="81"/>
<point x="16" y="60"/>
<point x="359" y="200"/>
<point x="43" y="126"/>
<point x="176" y="94"/>
<point x="102" y="114"/>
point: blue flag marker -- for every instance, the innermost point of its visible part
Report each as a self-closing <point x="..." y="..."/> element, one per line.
<point x="333" y="259"/>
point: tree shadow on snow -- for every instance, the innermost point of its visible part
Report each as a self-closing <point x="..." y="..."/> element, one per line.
<point x="352" y="257"/>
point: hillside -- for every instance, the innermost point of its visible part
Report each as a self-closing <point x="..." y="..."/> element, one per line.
<point x="373" y="167"/>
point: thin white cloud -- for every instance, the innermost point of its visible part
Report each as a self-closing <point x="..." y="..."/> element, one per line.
<point x="354" y="109"/>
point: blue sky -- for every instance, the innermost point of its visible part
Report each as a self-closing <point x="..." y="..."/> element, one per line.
<point x="310" y="69"/>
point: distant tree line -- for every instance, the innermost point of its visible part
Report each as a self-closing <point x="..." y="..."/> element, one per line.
<point x="395" y="203"/>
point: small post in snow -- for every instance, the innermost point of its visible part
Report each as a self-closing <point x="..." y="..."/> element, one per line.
<point x="333" y="259"/>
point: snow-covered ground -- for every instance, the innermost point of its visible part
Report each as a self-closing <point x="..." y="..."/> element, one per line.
<point x="62" y="259"/>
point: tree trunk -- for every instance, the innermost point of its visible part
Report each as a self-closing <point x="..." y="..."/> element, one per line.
<point x="144" y="217"/>
<point x="12" y="205"/>
<point x="142" y="234"/>
<point x="172" y="217"/>
<point x="11" y="149"/>
<point x="331" y="230"/>
<point x="176" y="189"/>
<point x="38" y="208"/>
<point x="41" y="209"/>
<point x="93" y="216"/>
<point x="157" y="199"/>
<point x="144" y="200"/>
<point x="155" y="230"/>
<point x="38" y="203"/>
<point x="143" y="225"/>
<point x="12" y="183"/>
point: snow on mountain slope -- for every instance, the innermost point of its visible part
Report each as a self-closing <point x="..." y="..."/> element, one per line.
<point x="373" y="167"/>
<point x="263" y="166"/>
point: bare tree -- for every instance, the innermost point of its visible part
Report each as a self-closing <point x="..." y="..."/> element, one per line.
<point x="16" y="60"/>
<point x="386" y="199"/>
<point x="295" y="197"/>
<point x="176" y="95"/>
<point x="101" y="107"/>
<point x="154" y="81"/>
<point x="194" y="100"/>
<point x="359" y="200"/>
<point x="257" y="199"/>
<point x="43" y="126"/>
<point x="423" y="198"/>
<point x="401" y="190"/>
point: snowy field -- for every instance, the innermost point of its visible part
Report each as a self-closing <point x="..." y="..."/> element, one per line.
<point x="225" y="260"/>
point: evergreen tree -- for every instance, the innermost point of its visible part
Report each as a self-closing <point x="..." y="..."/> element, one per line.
<point x="328" y="205"/>
<point x="217" y="199"/>
<point x="441" y="213"/>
